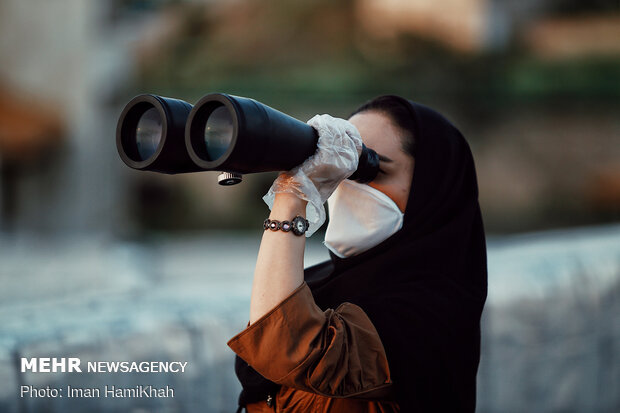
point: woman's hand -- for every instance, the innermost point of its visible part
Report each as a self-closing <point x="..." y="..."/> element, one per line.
<point x="335" y="159"/>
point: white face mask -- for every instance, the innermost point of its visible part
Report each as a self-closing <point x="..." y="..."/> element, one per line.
<point x="360" y="217"/>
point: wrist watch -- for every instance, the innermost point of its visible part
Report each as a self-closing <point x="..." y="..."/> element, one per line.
<point x="298" y="225"/>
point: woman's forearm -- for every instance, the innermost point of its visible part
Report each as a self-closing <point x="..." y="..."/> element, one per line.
<point x="280" y="263"/>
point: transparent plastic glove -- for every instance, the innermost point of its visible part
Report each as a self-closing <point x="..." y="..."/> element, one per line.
<point x="335" y="159"/>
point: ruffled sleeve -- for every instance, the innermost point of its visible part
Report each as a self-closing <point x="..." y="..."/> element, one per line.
<point x="335" y="353"/>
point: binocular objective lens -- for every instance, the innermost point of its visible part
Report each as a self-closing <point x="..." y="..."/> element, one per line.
<point x="148" y="133"/>
<point x="218" y="132"/>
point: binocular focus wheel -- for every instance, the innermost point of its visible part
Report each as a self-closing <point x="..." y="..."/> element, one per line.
<point x="229" y="178"/>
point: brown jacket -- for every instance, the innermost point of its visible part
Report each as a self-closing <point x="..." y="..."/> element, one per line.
<point x="326" y="361"/>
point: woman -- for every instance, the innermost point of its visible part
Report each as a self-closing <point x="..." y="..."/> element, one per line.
<point x="392" y="321"/>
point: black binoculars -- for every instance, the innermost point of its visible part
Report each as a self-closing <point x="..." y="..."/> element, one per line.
<point x="230" y="134"/>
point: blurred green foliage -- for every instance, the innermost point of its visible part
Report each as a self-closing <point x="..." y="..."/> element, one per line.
<point x="306" y="57"/>
<point x="312" y="53"/>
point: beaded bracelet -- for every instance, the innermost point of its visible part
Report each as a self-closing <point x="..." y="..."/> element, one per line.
<point x="298" y="225"/>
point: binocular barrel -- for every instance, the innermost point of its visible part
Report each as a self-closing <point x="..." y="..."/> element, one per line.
<point x="220" y="133"/>
<point x="236" y="134"/>
<point x="150" y="135"/>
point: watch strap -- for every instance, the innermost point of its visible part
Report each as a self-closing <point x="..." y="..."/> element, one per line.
<point x="298" y="225"/>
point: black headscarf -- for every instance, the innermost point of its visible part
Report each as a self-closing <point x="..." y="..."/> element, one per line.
<point x="423" y="288"/>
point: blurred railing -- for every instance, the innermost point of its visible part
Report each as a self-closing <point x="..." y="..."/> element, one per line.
<point x="551" y="337"/>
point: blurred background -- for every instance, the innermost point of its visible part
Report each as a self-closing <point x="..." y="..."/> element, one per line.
<point x="103" y="262"/>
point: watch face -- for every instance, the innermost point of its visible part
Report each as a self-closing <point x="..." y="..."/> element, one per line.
<point x="300" y="225"/>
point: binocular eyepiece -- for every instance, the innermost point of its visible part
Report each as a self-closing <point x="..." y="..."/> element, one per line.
<point x="230" y="134"/>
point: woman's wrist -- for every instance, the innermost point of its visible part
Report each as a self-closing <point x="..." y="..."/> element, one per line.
<point x="286" y="206"/>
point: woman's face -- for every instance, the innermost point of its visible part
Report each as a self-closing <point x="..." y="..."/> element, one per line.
<point x="396" y="169"/>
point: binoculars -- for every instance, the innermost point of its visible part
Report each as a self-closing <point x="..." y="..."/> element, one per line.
<point x="230" y="134"/>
